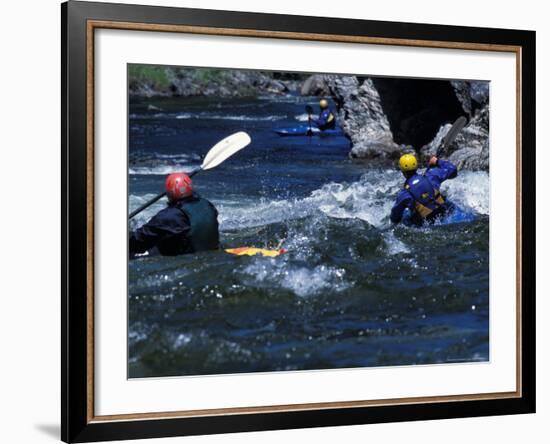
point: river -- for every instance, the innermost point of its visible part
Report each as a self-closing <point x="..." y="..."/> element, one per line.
<point x="352" y="290"/>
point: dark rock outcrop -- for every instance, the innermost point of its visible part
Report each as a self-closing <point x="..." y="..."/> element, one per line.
<point x="362" y="117"/>
<point x="472" y="95"/>
<point x="470" y="149"/>
<point x="416" y="108"/>
<point x="315" y="85"/>
<point x="383" y="116"/>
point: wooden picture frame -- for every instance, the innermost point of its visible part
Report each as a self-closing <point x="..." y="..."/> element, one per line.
<point x="79" y="22"/>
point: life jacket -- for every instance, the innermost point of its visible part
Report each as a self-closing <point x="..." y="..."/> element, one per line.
<point x="203" y="219"/>
<point x="329" y="120"/>
<point x="428" y="200"/>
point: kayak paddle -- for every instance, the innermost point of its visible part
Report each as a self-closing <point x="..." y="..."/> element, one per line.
<point x="220" y="152"/>
<point x="451" y="134"/>
<point x="309" y="111"/>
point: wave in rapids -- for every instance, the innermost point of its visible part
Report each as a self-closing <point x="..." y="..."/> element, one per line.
<point x="161" y="164"/>
<point x="369" y="199"/>
<point x="161" y="170"/>
<point x="303" y="281"/>
<point x="302" y="117"/>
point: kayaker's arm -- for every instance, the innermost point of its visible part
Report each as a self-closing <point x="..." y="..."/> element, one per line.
<point x="449" y="169"/>
<point x="325" y="118"/>
<point x="317" y="121"/>
<point x="168" y="222"/>
<point x="138" y="244"/>
<point x="404" y="200"/>
<point x="442" y="171"/>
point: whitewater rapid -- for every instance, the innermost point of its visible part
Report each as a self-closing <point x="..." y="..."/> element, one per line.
<point x="370" y="199"/>
<point x="352" y="288"/>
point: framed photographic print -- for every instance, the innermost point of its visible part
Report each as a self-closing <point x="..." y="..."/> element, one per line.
<point x="276" y="221"/>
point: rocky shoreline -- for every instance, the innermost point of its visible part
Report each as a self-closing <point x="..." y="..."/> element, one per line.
<point x="382" y="117"/>
<point x="166" y="81"/>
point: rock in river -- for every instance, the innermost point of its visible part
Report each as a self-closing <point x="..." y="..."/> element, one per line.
<point x="362" y="117"/>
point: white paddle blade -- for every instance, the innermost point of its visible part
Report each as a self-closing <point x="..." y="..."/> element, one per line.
<point x="224" y="149"/>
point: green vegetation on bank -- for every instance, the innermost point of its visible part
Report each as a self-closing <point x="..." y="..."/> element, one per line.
<point x="185" y="81"/>
<point x="155" y="80"/>
<point x="155" y="76"/>
<point x="206" y="76"/>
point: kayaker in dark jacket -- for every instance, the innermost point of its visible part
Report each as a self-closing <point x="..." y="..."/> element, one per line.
<point x="326" y="119"/>
<point x="420" y="193"/>
<point x="187" y="225"/>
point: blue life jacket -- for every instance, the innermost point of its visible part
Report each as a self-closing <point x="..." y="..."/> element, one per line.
<point x="421" y="194"/>
<point x="326" y="120"/>
<point x="428" y="201"/>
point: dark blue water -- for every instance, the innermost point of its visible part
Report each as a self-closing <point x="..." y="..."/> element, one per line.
<point x="352" y="290"/>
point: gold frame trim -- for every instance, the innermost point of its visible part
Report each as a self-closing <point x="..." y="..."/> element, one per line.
<point x="92" y="25"/>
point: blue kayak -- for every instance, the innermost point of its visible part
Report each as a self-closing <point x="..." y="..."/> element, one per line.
<point x="308" y="131"/>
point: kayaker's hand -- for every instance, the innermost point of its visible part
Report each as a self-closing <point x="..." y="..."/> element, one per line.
<point x="433" y="161"/>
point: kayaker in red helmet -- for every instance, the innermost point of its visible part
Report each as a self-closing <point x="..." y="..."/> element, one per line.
<point x="188" y="224"/>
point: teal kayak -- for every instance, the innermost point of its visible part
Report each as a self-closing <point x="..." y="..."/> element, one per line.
<point x="307" y="131"/>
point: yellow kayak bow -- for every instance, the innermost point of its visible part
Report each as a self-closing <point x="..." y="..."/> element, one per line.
<point x="252" y="251"/>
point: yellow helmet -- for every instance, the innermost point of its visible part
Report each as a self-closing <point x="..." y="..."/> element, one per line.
<point x="323" y="103"/>
<point x="408" y="162"/>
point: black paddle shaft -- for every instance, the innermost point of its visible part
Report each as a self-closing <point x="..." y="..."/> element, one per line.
<point x="157" y="197"/>
<point x="451" y="134"/>
<point x="309" y="111"/>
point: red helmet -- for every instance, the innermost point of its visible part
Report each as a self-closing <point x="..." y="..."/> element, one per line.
<point x="178" y="186"/>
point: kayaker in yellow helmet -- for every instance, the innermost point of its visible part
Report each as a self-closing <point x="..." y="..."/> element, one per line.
<point x="326" y="119"/>
<point x="420" y="193"/>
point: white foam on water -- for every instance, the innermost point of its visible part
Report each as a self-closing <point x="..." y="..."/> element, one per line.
<point x="469" y="191"/>
<point x="161" y="164"/>
<point x="369" y="199"/>
<point x="182" y="340"/>
<point x="185" y="116"/>
<point x="135" y="201"/>
<point x="161" y="170"/>
<point x="393" y="245"/>
<point x="178" y="157"/>
<point x="259" y="213"/>
<point x="304" y="282"/>
<point x="302" y="117"/>
<point x="205" y="116"/>
<point x="243" y="118"/>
